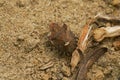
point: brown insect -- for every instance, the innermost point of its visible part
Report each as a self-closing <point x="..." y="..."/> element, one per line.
<point x="62" y="37"/>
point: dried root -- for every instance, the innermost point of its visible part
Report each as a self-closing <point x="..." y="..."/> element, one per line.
<point x="91" y="56"/>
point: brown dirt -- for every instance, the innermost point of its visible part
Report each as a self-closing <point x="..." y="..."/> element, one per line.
<point x="23" y="37"/>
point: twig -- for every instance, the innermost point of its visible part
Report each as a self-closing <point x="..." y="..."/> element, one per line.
<point x="82" y="45"/>
<point x="101" y="33"/>
<point x="106" y="18"/>
<point x="92" y="56"/>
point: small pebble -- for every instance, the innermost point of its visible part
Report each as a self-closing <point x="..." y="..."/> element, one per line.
<point x="116" y="2"/>
<point x="65" y="78"/>
<point x="66" y="70"/>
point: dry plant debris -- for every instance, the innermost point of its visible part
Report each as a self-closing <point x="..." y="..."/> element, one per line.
<point x="84" y="36"/>
<point x="91" y="56"/>
<point x="103" y="32"/>
<point x="81" y="45"/>
<point x="112" y="31"/>
<point x="107" y="18"/>
<point x="64" y="40"/>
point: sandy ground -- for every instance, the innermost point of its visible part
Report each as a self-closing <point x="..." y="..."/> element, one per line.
<point x="23" y="37"/>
